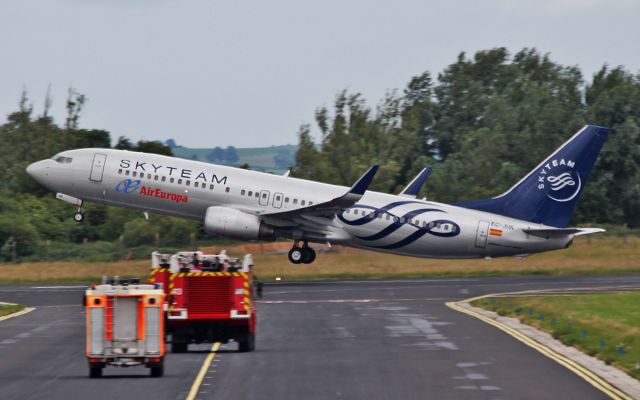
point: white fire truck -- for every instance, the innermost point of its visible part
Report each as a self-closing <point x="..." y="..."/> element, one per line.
<point x="125" y="326"/>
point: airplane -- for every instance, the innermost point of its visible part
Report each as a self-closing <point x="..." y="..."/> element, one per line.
<point x="531" y="217"/>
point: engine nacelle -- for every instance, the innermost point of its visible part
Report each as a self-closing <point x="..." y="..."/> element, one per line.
<point x="234" y="223"/>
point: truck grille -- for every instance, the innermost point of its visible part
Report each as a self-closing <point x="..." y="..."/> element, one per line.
<point x="208" y="294"/>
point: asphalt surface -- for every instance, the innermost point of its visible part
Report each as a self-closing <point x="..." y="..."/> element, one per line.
<point x="392" y="339"/>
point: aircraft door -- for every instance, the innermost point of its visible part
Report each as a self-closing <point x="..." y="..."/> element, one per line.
<point x="264" y="198"/>
<point x="97" y="169"/>
<point x="277" y="200"/>
<point x="482" y="234"/>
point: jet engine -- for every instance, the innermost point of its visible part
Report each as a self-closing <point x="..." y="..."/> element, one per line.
<point x="237" y="224"/>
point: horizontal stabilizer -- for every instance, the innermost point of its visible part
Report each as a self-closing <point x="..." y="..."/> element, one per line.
<point x="414" y="186"/>
<point x="556" y="233"/>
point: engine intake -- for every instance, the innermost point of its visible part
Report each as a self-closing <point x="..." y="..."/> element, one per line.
<point x="237" y="224"/>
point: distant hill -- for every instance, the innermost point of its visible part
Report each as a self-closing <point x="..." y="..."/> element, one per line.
<point x="275" y="159"/>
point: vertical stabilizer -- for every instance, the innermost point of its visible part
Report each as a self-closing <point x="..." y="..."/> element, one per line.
<point x="549" y="193"/>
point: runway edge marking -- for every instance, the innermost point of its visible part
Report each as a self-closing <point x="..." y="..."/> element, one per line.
<point x="203" y="371"/>
<point x="15" y="314"/>
<point x="584" y="373"/>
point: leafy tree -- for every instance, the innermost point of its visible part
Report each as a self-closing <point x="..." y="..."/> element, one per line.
<point x="231" y="155"/>
<point x="154" y="147"/>
<point x="123" y="143"/>
<point x="216" y="155"/>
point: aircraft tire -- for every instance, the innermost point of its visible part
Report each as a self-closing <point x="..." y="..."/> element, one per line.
<point x="78" y="217"/>
<point x="309" y="255"/>
<point x="296" y="255"/>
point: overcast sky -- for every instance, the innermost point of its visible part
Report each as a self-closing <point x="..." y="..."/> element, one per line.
<point x="211" y="73"/>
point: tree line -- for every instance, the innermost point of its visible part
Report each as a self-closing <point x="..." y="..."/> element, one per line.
<point x="483" y="123"/>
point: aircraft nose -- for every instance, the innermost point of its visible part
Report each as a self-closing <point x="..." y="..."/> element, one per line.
<point x="37" y="170"/>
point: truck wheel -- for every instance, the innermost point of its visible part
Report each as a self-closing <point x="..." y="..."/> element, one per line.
<point x="95" y="372"/>
<point x="179" y="347"/>
<point x="157" y="371"/>
<point x="247" y="343"/>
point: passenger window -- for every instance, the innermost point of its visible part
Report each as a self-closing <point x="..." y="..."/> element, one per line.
<point x="211" y="187"/>
<point x="126" y="172"/>
<point x="286" y="199"/>
<point x="264" y="195"/>
<point x="355" y="212"/>
<point x="134" y="174"/>
<point x="164" y="178"/>
<point x="295" y="201"/>
<point x="387" y="217"/>
<point x="277" y="198"/>
<point x="301" y="202"/>
<point x="179" y="181"/>
<point x="195" y="184"/>
<point x="148" y="176"/>
<point x="155" y="178"/>
<point x="250" y="194"/>
<point x="120" y="172"/>
<point x="257" y="195"/>
<point x="227" y="190"/>
<point x="242" y="192"/>
<point x="311" y="203"/>
<point x="171" y="180"/>
<point x="188" y="183"/>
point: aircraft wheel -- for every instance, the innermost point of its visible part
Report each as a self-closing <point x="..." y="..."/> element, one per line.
<point x="296" y="255"/>
<point x="78" y="217"/>
<point x="309" y="255"/>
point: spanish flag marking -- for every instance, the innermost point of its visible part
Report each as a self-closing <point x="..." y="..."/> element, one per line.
<point x="495" y="232"/>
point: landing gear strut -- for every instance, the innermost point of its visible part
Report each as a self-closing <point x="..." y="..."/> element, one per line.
<point x="302" y="255"/>
<point x="79" y="215"/>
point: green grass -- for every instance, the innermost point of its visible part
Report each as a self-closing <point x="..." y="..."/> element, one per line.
<point x="6" y="309"/>
<point x="606" y="326"/>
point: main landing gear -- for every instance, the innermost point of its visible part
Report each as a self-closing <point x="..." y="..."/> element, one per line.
<point x="302" y="255"/>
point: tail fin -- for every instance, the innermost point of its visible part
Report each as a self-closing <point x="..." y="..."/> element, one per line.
<point x="549" y="193"/>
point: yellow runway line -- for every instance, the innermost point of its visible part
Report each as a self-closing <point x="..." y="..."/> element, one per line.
<point x="203" y="371"/>
<point x="584" y="373"/>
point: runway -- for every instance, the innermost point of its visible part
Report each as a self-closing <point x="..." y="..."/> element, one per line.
<point x="386" y="339"/>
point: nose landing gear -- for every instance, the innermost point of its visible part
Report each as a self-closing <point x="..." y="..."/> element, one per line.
<point x="79" y="215"/>
<point x="302" y="255"/>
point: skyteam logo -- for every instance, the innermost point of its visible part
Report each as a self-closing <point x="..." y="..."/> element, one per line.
<point x="128" y="186"/>
<point x="436" y="226"/>
<point x="559" y="180"/>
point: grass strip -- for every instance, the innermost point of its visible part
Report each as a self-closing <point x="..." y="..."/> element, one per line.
<point x="6" y="309"/>
<point x="606" y="326"/>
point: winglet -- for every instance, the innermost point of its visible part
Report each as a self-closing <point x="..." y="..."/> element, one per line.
<point x="365" y="180"/>
<point x="412" y="189"/>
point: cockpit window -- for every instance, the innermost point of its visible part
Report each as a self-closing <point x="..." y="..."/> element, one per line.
<point x="62" y="159"/>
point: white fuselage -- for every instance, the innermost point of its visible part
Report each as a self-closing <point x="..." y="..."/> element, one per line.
<point x="379" y="221"/>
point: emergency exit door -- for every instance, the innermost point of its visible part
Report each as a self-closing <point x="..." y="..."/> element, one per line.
<point x="264" y="198"/>
<point x="97" y="169"/>
<point x="482" y="234"/>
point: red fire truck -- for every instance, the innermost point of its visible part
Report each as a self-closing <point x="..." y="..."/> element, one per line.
<point x="209" y="298"/>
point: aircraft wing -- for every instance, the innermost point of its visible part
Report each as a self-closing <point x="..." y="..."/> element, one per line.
<point x="560" y="232"/>
<point x="412" y="189"/>
<point x="318" y="218"/>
